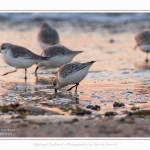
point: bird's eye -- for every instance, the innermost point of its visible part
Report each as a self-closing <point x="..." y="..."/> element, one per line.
<point x="3" y="47"/>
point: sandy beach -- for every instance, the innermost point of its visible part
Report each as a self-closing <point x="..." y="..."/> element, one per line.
<point x="120" y="74"/>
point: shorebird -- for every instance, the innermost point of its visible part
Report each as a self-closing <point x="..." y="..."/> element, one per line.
<point x="47" y="36"/>
<point x="143" y="42"/>
<point x="19" y="57"/>
<point x="71" y="73"/>
<point x="58" y="56"/>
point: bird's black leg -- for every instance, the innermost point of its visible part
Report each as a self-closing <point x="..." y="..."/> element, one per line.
<point x="71" y="88"/>
<point x="55" y="91"/>
<point x="36" y="70"/>
<point x="25" y="74"/>
<point x="146" y="60"/>
<point x="76" y="87"/>
<point x="9" y="72"/>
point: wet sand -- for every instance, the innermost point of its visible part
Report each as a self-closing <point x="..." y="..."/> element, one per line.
<point x="120" y="74"/>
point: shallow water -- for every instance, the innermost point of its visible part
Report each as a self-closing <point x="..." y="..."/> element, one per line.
<point x="120" y="74"/>
<point x="74" y="17"/>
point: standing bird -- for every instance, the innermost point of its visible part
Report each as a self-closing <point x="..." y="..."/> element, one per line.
<point x="58" y="56"/>
<point x="71" y="73"/>
<point x="19" y="57"/>
<point x="47" y="36"/>
<point x="143" y="42"/>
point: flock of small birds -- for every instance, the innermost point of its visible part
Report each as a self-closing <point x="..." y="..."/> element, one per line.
<point x="55" y="55"/>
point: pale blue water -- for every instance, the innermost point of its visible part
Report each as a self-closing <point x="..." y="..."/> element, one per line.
<point x="74" y="17"/>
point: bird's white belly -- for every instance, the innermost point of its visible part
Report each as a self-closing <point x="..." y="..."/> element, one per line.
<point x="75" y="77"/>
<point x="145" y="48"/>
<point x="58" y="61"/>
<point x="19" y="62"/>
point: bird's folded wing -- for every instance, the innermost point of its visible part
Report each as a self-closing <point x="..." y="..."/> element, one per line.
<point x="72" y="68"/>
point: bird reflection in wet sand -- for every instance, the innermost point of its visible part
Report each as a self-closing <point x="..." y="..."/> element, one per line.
<point x="143" y="42"/>
<point x="43" y="80"/>
<point x="71" y="73"/>
<point x="143" y="88"/>
<point x="61" y="95"/>
<point x="143" y="66"/>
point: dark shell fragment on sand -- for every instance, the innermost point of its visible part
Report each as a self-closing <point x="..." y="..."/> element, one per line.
<point x="79" y="111"/>
<point x="141" y="112"/>
<point x="110" y="113"/>
<point x="89" y="106"/>
<point x="116" y="104"/>
<point x="10" y="107"/>
<point x="96" y="107"/>
<point x="135" y="108"/>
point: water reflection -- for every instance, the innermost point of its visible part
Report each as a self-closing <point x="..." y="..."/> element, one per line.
<point x="142" y="87"/>
<point x="43" y="79"/>
<point x="143" y="65"/>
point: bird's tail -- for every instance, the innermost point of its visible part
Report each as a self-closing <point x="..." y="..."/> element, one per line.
<point x="45" y="58"/>
<point x="91" y="62"/>
<point x="78" y="52"/>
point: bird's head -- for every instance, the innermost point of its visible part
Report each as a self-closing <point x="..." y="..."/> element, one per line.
<point x="5" y="46"/>
<point x="44" y="25"/>
<point x="56" y="84"/>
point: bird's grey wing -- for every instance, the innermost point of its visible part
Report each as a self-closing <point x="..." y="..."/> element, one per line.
<point x="18" y="51"/>
<point x="57" y="50"/>
<point x="71" y="68"/>
<point x="143" y="38"/>
<point x="48" y="35"/>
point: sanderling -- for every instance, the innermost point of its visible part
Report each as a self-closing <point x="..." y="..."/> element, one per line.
<point x="47" y="36"/>
<point x="19" y="57"/>
<point x="71" y="73"/>
<point x="58" y="56"/>
<point x="143" y="42"/>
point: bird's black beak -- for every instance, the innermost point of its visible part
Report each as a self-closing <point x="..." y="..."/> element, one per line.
<point x="55" y="91"/>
